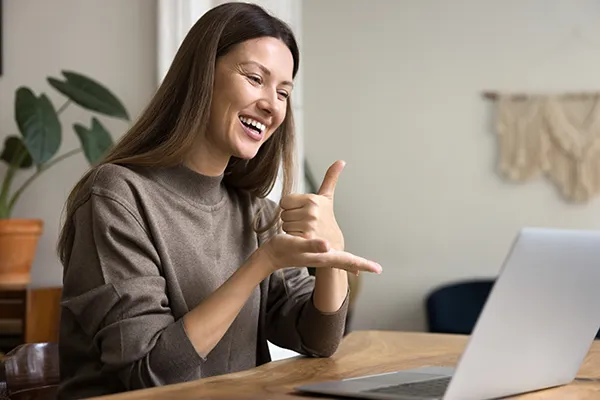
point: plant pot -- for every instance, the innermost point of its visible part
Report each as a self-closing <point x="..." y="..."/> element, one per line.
<point x="18" y="245"/>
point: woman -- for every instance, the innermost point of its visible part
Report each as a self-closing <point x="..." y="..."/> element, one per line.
<point x="166" y="278"/>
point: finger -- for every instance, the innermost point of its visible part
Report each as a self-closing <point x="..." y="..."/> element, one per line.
<point x="298" y="245"/>
<point x="358" y="264"/>
<point x="355" y="273"/>
<point x="331" y="177"/>
<point x="362" y="264"/>
<point x="344" y="260"/>
<point x="294" y="201"/>
<point x="297" y="234"/>
<point x="299" y="227"/>
<point x="311" y="246"/>
<point x="298" y="214"/>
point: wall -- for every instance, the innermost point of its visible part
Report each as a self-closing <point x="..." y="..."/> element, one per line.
<point x="112" y="41"/>
<point x="394" y="88"/>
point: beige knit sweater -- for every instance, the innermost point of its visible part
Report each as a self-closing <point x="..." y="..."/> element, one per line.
<point x="150" y="245"/>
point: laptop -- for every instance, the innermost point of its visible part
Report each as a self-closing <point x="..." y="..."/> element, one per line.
<point x="533" y="333"/>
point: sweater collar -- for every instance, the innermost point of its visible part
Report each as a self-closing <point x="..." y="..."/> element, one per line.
<point x="197" y="188"/>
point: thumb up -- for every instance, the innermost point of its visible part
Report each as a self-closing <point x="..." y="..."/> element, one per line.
<point x="311" y="216"/>
<point x="330" y="180"/>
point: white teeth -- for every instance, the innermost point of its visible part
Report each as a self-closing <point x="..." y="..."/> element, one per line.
<point x="253" y="122"/>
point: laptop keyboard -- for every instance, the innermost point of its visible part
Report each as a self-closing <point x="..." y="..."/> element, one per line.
<point x="433" y="388"/>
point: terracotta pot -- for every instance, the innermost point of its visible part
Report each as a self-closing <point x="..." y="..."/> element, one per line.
<point x="18" y="244"/>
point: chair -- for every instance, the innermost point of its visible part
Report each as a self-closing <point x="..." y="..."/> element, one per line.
<point x="30" y="372"/>
<point x="28" y="315"/>
<point x="15" y="304"/>
<point x="455" y="307"/>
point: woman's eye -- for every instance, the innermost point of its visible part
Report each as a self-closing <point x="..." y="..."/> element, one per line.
<point x="285" y="95"/>
<point x="255" y="79"/>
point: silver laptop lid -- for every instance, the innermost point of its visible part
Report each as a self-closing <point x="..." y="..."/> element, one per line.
<point x="540" y="318"/>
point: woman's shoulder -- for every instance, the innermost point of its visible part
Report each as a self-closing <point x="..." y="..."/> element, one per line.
<point x="113" y="181"/>
<point x="117" y="178"/>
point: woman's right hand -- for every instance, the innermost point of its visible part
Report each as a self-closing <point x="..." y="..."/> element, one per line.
<point x="284" y="250"/>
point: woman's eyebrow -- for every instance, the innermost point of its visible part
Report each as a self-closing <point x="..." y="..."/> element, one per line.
<point x="265" y="70"/>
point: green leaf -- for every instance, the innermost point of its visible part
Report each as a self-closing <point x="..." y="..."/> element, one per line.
<point x="95" y="141"/>
<point x="89" y="94"/>
<point x="38" y="123"/>
<point x="15" y="150"/>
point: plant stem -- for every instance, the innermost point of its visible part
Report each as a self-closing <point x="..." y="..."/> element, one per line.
<point x="6" y="184"/>
<point x="29" y="180"/>
<point x="4" y="210"/>
<point x="10" y="174"/>
<point x="62" y="108"/>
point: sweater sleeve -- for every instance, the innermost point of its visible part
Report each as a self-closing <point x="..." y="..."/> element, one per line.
<point x="293" y="321"/>
<point x="113" y="289"/>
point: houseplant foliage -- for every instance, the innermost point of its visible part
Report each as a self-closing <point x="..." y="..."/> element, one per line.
<point x="40" y="131"/>
<point x="35" y="149"/>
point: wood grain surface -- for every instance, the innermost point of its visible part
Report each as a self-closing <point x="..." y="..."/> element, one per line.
<point x="361" y="353"/>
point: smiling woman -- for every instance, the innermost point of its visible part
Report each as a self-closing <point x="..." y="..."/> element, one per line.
<point x="252" y="83"/>
<point x="176" y="265"/>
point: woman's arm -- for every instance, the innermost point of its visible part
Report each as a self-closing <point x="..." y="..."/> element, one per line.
<point x="207" y="323"/>
<point x="114" y="294"/>
<point x="311" y="216"/>
<point x="331" y="289"/>
<point x="114" y="300"/>
<point x="303" y="317"/>
<point x="294" y="322"/>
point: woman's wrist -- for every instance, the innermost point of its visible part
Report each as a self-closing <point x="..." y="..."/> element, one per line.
<point x="263" y="262"/>
<point x="331" y="289"/>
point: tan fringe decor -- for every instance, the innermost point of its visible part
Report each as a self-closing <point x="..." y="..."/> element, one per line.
<point x="554" y="135"/>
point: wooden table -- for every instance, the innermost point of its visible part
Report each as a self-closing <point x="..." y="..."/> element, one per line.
<point x="361" y="353"/>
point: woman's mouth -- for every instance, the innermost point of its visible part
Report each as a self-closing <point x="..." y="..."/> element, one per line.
<point x="253" y="128"/>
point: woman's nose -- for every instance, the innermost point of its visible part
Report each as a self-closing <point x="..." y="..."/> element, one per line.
<point x="268" y="103"/>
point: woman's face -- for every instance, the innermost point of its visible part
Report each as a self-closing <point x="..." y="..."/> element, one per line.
<point x="251" y="89"/>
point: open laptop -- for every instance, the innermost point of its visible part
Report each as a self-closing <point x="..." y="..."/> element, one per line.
<point x="533" y="333"/>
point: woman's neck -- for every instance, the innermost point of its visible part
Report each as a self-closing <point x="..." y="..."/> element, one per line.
<point x="207" y="161"/>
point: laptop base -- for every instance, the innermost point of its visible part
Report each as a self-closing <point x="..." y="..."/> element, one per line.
<point x="378" y="386"/>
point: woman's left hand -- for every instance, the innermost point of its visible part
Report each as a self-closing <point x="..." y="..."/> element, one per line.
<point x="311" y="216"/>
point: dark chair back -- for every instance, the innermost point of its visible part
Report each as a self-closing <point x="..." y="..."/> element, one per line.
<point x="455" y="307"/>
<point x="30" y="371"/>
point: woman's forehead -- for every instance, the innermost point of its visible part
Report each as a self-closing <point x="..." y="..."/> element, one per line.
<point x="268" y="54"/>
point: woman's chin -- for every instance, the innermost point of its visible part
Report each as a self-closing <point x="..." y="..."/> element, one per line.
<point x="246" y="154"/>
<point x="245" y="148"/>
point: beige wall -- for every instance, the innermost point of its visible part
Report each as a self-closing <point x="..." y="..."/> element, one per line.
<point x="394" y="88"/>
<point x="113" y="41"/>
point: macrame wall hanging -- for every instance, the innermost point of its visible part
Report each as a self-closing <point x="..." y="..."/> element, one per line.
<point x="557" y="136"/>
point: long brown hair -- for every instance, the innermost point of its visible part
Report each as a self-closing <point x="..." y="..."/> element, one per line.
<point x="179" y="111"/>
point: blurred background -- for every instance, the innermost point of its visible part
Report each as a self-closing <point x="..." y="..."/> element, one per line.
<point x="395" y="88"/>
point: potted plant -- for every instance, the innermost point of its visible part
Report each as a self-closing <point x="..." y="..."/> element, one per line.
<point x="35" y="150"/>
